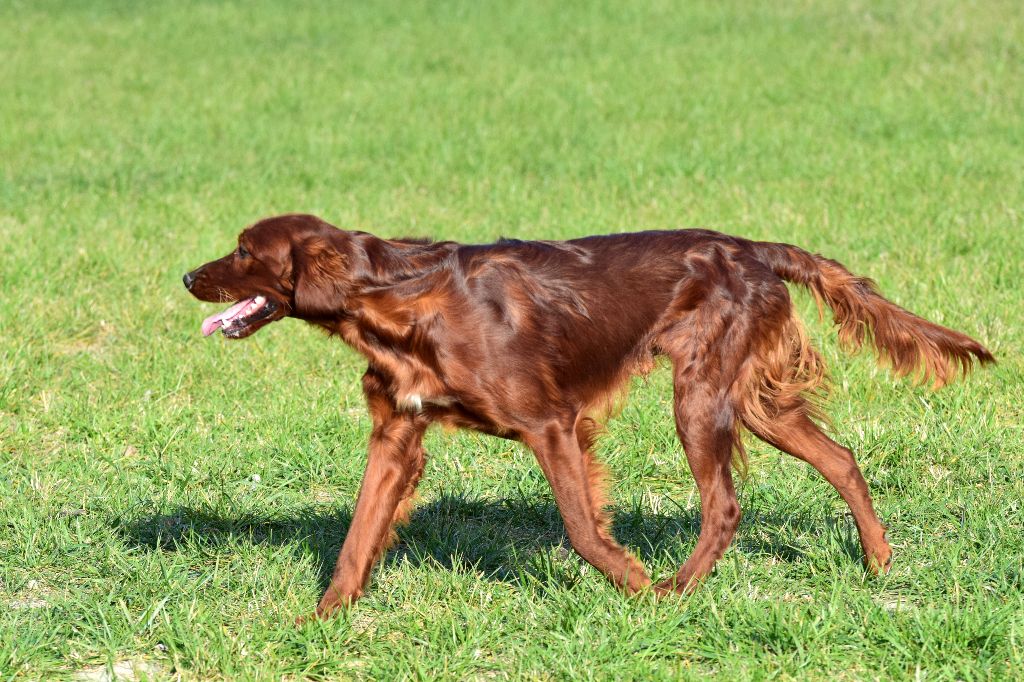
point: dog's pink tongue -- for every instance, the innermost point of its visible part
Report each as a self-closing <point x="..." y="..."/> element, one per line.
<point x="215" y="322"/>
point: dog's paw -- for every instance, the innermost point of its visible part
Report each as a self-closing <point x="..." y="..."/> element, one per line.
<point x="878" y="558"/>
<point x="670" y="586"/>
<point x="320" y="615"/>
<point x="879" y="563"/>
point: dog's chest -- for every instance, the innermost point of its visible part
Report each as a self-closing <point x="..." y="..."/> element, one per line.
<point x="409" y="373"/>
<point x="412" y="383"/>
<point x="414" y="402"/>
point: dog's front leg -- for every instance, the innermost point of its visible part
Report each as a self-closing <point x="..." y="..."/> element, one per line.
<point x="393" y="469"/>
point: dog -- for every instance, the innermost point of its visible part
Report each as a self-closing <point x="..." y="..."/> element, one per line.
<point x="535" y="340"/>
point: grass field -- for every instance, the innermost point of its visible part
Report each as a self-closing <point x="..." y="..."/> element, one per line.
<point x="169" y="504"/>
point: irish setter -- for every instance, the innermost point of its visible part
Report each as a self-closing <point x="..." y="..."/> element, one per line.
<point x="535" y="340"/>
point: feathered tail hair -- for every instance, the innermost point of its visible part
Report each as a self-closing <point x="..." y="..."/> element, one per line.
<point x="910" y="344"/>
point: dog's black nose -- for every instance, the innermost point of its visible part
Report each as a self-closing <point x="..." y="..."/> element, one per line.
<point x="189" y="279"/>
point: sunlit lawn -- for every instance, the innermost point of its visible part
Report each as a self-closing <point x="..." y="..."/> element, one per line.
<point x="170" y="504"/>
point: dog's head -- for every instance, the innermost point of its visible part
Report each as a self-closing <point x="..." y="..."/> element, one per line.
<point x="292" y="265"/>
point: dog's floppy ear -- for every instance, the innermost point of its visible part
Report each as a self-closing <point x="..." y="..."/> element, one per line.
<point x="321" y="276"/>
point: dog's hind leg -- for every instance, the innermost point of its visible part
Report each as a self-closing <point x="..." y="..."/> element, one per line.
<point x="704" y="425"/>
<point x="772" y="402"/>
<point x="708" y="342"/>
<point x="564" y="455"/>
<point x="793" y="432"/>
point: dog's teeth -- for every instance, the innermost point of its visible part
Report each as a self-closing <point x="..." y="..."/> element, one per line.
<point x="259" y="300"/>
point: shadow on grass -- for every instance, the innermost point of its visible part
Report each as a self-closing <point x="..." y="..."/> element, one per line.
<point x="508" y="540"/>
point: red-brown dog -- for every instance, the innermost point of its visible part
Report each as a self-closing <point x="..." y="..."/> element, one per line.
<point x="533" y="340"/>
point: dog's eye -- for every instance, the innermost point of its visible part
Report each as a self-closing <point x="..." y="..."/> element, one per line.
<point x="242" y="252"/>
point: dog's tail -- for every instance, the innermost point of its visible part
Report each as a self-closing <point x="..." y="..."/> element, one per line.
<point x="910" y="344"/>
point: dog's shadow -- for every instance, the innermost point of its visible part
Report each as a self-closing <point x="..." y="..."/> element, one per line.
<point x="507" y="540"/>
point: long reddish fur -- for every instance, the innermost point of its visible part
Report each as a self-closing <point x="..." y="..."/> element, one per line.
<point x="534" y="341"/>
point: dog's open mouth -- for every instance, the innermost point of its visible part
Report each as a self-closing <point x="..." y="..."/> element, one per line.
<point x="243" y="318"/>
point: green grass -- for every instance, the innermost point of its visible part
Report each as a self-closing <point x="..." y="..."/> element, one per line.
<point x="177" y="502"/>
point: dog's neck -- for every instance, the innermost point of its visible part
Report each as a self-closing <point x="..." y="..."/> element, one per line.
<point x="392" y="304"/>
<point x="397" y="285"/>
<point x="388" y="262"/>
